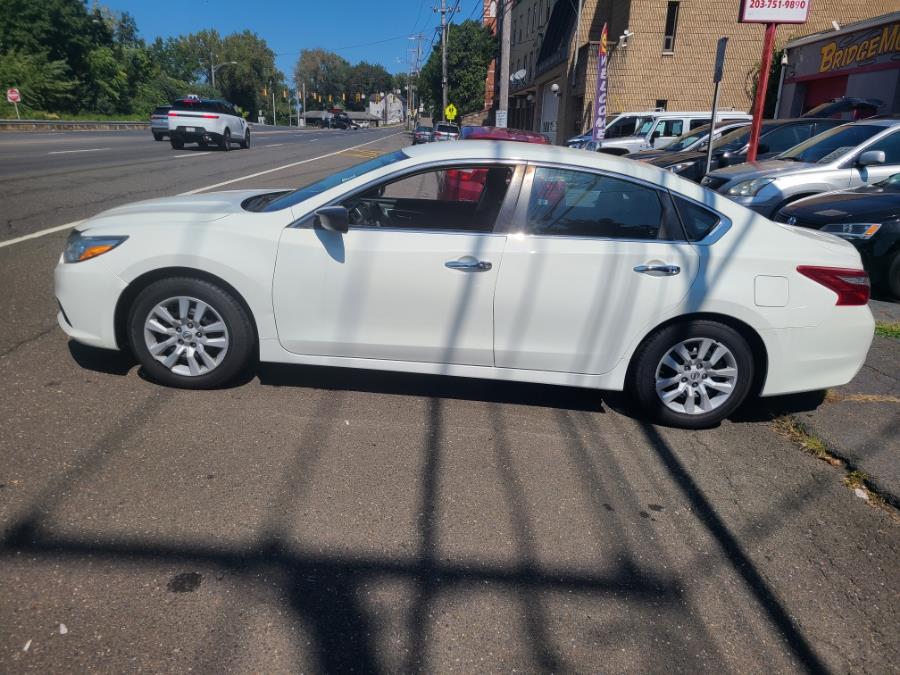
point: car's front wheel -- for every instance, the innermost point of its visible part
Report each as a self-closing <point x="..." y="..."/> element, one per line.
<point x="893" y="276"/>
<point x="190" y="333"/>
<point x="177" y="144"/>
<point x="692" y="374"/>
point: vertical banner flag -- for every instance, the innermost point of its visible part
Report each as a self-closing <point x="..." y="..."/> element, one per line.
<point x="600" y="98"/>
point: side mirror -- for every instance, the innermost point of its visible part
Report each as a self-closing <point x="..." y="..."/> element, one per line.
<point x="726" y="159"/>
<point x="871" y="157"/>
<point x="333" y="218"/>
<point x="656" y="134"/>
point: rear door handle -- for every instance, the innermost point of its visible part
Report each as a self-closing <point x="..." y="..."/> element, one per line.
<point x="470" y="264"/>
<point x="658" y="270"/>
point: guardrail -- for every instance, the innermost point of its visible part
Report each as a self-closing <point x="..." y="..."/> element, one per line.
<point x="69" y="125"/>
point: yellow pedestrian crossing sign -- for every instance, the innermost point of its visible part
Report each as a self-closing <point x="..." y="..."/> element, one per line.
<point x="450" y="112"/>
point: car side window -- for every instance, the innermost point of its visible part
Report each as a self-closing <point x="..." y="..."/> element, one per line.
<point x="697" y="221"/>
<point x="694" y="124"/>
<point x="581" y="204"/>
<point x="890" y="146"/>
<point x="466" y="199"/>
<point x="668" y="128"/>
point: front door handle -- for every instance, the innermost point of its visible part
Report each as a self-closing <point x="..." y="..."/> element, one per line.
<point x="658" y="270"/>
<point x="469" y="263"/>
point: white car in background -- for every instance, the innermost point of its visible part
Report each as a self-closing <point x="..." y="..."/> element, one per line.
<point x="504" y="261"/>
<point x="207" y="122"/>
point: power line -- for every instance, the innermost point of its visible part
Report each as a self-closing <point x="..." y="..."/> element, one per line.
<point x="343" y="49"/>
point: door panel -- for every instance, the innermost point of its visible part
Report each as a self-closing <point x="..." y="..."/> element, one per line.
<point x="574" y="303"/>
<point x="386" y="294"/>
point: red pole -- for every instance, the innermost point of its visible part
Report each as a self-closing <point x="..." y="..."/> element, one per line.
<point x="764" y="67"/>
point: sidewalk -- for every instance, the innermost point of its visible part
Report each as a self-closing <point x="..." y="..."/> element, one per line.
<point x="861" y="421"/>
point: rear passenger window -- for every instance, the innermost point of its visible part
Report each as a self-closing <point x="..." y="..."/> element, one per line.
<point x="581" y="204"/>
<point x="698" y="221"/>
<point x="786" y="137"/>
<point x="698" y="123"/>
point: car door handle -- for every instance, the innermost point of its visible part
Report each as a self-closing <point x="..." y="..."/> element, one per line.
<point x="658" y="270"/>
<point x="469" y="264"/>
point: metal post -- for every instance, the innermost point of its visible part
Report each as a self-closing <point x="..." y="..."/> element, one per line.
<point x="717" y="78"/>
<point x="764" y="66"/>
<point x="505" y="37"/>
<point x="212" y="69"/>
<point x="17" y="110"/>
<point x="274" y="116"/>
<point x="444" y="34"/>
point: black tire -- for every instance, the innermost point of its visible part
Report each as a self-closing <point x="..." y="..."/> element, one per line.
<point x="177" y="144"/>
<point x="157" y="137"/>
<point x="893" y="276"/>
<point x="648" y="359"/>
<point x="240" y="333"/>
<point x="203" y="144"/>
<point x="245" y="144"/>
<point x="226" y="140"/>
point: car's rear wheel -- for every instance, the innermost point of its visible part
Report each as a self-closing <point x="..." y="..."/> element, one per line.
<point x="893" y="276"/>
<point x="692" y="374"/>
<point x="226" y="140"/>
<point x="246" y="142"/>
<point x="157" y="137"/>
<point x="190" y="333"/>
<point x="177" y="144"/>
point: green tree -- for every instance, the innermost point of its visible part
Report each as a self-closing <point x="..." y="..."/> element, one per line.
<point x="470" y="48"/>
<point x="45" y="85"/>
<point x="325" y="74"/>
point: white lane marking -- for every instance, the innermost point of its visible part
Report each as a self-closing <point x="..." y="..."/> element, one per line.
<point x="41" y="233"/>
<point x="191" y="154"/>
<point x="272" y="145"/>
<point x="285" y="166"/>
<point x="66" y="152"/>
<point x="74" y="223"/>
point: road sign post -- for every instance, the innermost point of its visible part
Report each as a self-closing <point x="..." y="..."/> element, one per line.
<point x="717" y="78"/>
<point x="501" y="118"/>
<point x="13" y="96"/>
<point x="771" y="13"/>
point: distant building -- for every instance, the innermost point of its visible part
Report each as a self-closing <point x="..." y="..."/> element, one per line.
<point x="390" y="108"/>
<point x="860" y="59"/>
<point x="665" y="62"/>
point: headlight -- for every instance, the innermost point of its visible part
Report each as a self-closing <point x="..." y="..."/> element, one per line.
<point x="80" y="248"/>
<point x="749" y="188"/>
<point x="853" y="230"/>
<point x="681" y="166"/>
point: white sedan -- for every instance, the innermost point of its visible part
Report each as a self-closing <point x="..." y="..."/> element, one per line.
<point x="504" y="261"/>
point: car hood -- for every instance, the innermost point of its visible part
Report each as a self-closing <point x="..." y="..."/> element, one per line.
<point x="670" y="158"/>
<point x="868" y="203"/>
<point x="771" y="168"/>
<point x="186" y="209"/>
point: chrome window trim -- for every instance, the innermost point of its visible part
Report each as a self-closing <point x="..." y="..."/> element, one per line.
<point x="509" y="201"/>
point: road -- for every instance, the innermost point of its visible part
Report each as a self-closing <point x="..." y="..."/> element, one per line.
<point x="318" y="520"/>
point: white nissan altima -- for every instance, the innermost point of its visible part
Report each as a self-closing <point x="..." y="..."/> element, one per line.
<point x="505" y="261"/>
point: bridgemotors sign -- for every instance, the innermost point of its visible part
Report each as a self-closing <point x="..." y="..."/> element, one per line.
<point x="860" y="49"/>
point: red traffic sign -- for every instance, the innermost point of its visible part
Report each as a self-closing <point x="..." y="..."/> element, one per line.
<point x="13" y="95"/>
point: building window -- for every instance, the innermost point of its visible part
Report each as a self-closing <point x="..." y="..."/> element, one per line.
<point x="663" y="103"/>
<point x="671" y="26"/>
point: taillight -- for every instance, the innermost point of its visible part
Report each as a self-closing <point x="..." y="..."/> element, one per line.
<point x="207" y="116"/>
<point x="851" y="286"/>
<point x="172" y="113"/>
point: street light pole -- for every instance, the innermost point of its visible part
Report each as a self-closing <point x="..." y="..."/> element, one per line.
<point x="505" y="37"/>
<point x="213" y="68"/>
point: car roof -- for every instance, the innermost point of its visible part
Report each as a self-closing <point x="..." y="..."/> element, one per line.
<point x="875" y="121"/>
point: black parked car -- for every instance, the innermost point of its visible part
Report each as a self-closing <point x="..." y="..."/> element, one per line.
<point x="846" y="108"/>
<point x="868" y="217"/>
<point x="775" y="137"/>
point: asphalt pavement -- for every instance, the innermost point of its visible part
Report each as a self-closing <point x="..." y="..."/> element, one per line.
<point x="324" y="520"/>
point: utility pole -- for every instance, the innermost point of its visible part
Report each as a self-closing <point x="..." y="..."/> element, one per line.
<point x="444" y="33"/>
<point x="505" y="31"/>
<point x="274" y="116"/>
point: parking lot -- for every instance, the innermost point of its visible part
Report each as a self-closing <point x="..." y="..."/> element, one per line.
<point x="322" y="520"/>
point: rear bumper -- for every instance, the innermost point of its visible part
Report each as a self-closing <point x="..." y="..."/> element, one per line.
<point x="200" y="135"/>
<point x="817" y="357"/>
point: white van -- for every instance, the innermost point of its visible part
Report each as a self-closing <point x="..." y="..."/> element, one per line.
<point x="661" y="127"/>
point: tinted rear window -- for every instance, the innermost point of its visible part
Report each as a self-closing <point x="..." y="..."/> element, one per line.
<point x="161" y="110"/>
<point x="698" y="221"/>
<point x="448" y="128"/>
<point x="198" y="106"/>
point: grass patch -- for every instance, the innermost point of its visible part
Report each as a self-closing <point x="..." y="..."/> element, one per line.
<point x="889" y="329"/>
<point x="791" y="429"/>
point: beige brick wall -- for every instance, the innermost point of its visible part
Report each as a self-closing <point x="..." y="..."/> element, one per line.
<point x="640" y="74"/>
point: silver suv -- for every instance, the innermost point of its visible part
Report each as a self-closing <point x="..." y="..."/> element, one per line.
<point x="844" y="157"/>
<point x="444" y="131"/>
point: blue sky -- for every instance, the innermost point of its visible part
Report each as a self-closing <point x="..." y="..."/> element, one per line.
<point x="348" y="27"/>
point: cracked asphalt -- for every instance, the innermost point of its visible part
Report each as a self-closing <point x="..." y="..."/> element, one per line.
<point x="323" y="520"/>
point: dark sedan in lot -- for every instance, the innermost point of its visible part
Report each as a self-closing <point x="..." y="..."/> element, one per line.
<point x="775" y="137"/>
<point x="868" y="217"/>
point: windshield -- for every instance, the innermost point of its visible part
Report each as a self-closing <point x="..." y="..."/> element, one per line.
<point x="311" y="190"/>
<point x="423" y="128"/>
<point x="831" y="144"/>
<point x="738" y="138"/>
<point x="624" y="126"/>
<point x="892" y="184"/>
<point x="645" y="127"/>
<point x="447" y="129"/>
<point x="685" y="141"/>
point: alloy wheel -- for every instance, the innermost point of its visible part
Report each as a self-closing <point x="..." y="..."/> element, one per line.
<point x="696" y="376"/>
<point x="186" y="335"/>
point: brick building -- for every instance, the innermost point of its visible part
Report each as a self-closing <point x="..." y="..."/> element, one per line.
<point x="666" y="60"/>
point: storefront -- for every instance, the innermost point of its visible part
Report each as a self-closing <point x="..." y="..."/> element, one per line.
<point x="858" y="60"/>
